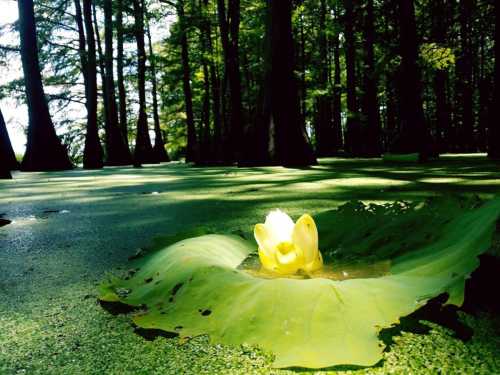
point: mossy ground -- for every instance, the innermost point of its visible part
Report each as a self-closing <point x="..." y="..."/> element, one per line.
<point x="71" y="228"/>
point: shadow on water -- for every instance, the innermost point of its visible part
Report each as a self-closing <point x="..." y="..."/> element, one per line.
<point x="481" y="289"/>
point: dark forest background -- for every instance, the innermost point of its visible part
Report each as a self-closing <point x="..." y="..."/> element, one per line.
<point x="253" y="82"/>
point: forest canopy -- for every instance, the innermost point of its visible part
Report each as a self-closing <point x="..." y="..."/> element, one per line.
<point x="252" y="82"/>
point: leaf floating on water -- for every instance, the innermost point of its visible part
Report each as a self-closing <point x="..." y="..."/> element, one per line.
<point x="207" y="285"/>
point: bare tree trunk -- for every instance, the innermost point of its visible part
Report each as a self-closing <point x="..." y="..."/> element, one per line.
<point x="7" y="157"/>
<point x="122" y="94"/>
<point x="443" y="120"/>
<point x="413" y="133"/>
<point x="464" y="84"/>
<point x="192" y="144"/>
<point x="229" y="23"/>
<point x="159" y="150"/>
<point x="323" y="120"/>
<point x="353" y="141"/>
<point x="92" y="153"/>
<point x="118" y="152"/>
<point x="372" y="128"/>
<point x="494" y="125"/>
<point x="100" y="61"/>
<point x="281" y="137"/>
<point x="215" y="83"/>
<point x="44" y="150"/>
<point x="143" y="149"/>
<point x="337" y="94"/>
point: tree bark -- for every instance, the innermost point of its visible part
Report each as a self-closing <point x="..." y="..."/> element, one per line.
<point x="443" y="119"/>
<point x="413" y="135"/>
<point x="464" y="83"/>
<point x="117" y="150"/>
<point x="281" y="138"/>
<point x="122" y="94"/>
<point x="44" y="150"/>
<point x="100" y="61"/>
<point x="337" y="94"/>
<point x="494" y="124"/>
<point x="92" y="153"/>
<point x="353" y="141"/>
<point x="325" y="138"/>
<point x="8" y="159"/>
<point x="192" y="144"/>
<point x="143" y="149"/>
<point x="159" y="150"/>
<point x="229" y="24"/>
<point x="215" y="83"/>
<point x="371" y="116"/>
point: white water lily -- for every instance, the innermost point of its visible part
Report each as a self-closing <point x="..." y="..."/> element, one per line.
<point x="285" y="247"/>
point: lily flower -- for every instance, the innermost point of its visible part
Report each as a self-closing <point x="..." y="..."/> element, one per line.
<point x="286" y="248"/>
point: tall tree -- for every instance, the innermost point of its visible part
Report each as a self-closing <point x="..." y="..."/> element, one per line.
<point x="229" y="24"/>
<point x="371" y="116"/>
<point x="92" y="154"/>
<point x="192" y="143"/>
<point x="204" y="133"/>
<point x="7" y="157"/>
<point x="44" y="150"/>
<point x="160" y="153"/>
<point x="494" y="125"/>
<point x="143" y="149"/>
<point x="337" y="94"/>
<point x="324" y="131"/>
<point x="117" y="149"/>
<point x="122" y="95"/>
<point x="353" y="140"/>
<point x="413" y="136"/>
<point x="215" y="83"/>
<point x="281" y="137"/>
<point x="464" y="82"/>
<point x="443" y="120"/>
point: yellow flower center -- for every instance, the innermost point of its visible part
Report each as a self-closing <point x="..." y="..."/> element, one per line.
<point x="285" y="247"/>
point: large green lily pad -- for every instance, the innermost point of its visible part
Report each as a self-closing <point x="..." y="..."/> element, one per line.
<point x="195" y="287"/>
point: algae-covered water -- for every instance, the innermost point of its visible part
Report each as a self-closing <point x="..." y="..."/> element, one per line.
<point x="68" y="230"/>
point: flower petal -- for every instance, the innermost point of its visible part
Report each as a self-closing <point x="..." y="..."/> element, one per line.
<point x="315" y="265"/>
<point x="264" y="239"/>
<point x="289" y="263"/>
<point x="305" y="236"/>
<point x="280" y="226"/>
<point x="268" y="262"/>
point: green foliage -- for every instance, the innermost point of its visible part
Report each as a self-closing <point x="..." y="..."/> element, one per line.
<point x="436" y="56"/>
<point x="195" y="287"/>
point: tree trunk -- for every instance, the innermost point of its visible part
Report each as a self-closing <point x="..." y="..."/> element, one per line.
<point x="192" y="145"/>
<point x="353" y="141"/>
<point x="325" y="137"/>
<point x="413" y="135"/>
<point x="215" y="89"/>
<point x="122" y="94"/>
<point x="494" y="125"/>
<point x="282" y="138"/>
<point x="44" y="150"/>
<point x="443" y="120"/>
<point x="101" y="65"/>
<point x="143" y="152"/>
<point x="8" y="159"/>
<point x="371" y="116"/>
<point x="204" y="129"/>
<point x="92" y="153"/>
<point x="337" y="94"/>
<point x="464" y="84"/>
<point x="118" y="152"/>
<point x="229" y="24"/>
<point x="159" y="150"/>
